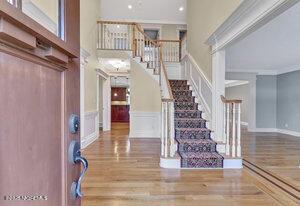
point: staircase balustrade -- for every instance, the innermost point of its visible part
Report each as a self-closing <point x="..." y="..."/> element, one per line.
<point x="170" y="50"/>
<point x="232" y="127"/>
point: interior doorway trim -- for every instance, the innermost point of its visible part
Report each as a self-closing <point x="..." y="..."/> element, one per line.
<point x="106" y="120"/>
<point x="84" y="55"/>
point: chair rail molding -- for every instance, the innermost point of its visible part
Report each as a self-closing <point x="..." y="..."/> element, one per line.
<point x="84" y="55"/>
<point x="247" y="18"/>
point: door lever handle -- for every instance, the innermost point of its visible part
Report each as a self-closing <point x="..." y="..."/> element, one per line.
<point x="76" y="158"/>
<point x="84" y="162"/>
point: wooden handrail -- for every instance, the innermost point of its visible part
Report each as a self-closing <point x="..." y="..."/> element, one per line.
<point x="116" y="22"/>
<point x="165" y="40"/>
<point x="166" y="77"/>
<point x="236" y="101"/>
<point x="145" y="35"/>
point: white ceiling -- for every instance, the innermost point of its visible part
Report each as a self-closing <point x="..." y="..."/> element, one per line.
<point x="144" y="11"/>
<point x="115" y="67"/>
<point x="273" y="49"/>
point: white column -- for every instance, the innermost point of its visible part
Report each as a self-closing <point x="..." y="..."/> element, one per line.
<point x="218" y="79"/>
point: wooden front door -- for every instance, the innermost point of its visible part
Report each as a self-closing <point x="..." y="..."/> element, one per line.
<point x="39" y="90"/>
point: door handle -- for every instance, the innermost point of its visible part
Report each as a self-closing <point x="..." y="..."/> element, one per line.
<point x="76" y="158"/>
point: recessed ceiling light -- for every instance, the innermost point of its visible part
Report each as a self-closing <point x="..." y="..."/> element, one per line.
<point x="118" y="26"/>
<point x="181" y="8"/>
<point x="129" y="6"/>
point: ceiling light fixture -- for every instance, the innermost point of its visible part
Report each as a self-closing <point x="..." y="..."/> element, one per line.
<point x="129" y="6"/>
<point x="118" y="26"/>
<point x="115" y="94"/>
<point x="181" y="8"/>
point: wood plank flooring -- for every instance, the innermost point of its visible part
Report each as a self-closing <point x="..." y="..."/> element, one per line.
<point x="126" y="172"/>
<point x="277" y="153"/>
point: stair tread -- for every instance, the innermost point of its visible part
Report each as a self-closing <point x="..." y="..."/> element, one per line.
<point x="195" y="141"/>
<point x="201" y="155"/>
<point x="180" y="110"/>
<point x="192" y="129"/>
<point x="189" y="119"/>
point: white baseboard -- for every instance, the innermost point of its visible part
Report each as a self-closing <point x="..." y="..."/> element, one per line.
<point x="288" y="132"/>
<point x="267" y="130"/>
<point x="233" y="164"/>
<point x="144" y="125"/>
<point x="168" y="163"/>
<point x="91" y="128"/>
<point x="275" y="130"/>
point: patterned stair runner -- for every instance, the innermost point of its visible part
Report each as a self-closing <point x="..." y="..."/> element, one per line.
<point x="195" y="146"/>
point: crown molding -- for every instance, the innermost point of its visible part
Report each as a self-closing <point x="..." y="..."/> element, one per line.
<point x="267" y="72"/>
<point x="235" y="83"/>
<point x="147" y="21"/>
<point x="102" y="73"/>
<point x="247" y="18"/>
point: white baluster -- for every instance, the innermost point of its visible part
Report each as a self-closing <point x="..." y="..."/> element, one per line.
<point x="233" y="130"/>
<point x="224" y="121"/>
<point x="172" y="132"/>
<point x="166" y="130"/>
<point x="239" y="152"/>
<point x="163" y="129"/>
<point x="227" y="129"/>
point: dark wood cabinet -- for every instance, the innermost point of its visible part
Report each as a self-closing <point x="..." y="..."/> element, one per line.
<point x="120" y="113"/>
<point x="118" y="94"/>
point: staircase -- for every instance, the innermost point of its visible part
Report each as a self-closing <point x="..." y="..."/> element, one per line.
<point x="195" y="146"/>
<point x="186" y="141"/>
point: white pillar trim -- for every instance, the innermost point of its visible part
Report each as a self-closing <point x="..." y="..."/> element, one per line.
<point x="218" y="80"/>
<point x="84" y="55"/>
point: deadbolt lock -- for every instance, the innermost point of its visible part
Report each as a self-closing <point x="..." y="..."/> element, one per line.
<point x="74" y="123"/>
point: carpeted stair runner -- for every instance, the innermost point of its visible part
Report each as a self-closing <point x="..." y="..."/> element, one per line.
<point x="195" y="146"/>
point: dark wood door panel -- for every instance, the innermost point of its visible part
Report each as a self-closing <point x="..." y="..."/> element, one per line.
<point x="30" y="131"/>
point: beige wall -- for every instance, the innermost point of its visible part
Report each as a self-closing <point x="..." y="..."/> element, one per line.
<point x="203" y="18"/>
<point x="144" y="91"/>
<point x="241" y="92"/>
<point x="89" y="14"/>
<point x="169" y="32"/>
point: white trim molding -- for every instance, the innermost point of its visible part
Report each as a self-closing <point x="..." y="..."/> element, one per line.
<point x="248" y="17"/>
<point x="145" y="125"/>
<point x="84" y="55"/>
<point x="91" y="128"/>
<point x="174" y="163"/>
<point x="276" y="130"/>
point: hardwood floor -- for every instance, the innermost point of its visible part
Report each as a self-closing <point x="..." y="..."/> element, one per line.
<point x="277" y="153"/>
<point x="126" y="172"/>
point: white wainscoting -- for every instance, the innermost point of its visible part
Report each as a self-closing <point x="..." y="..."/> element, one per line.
<point x="91" y="128"/>
<point x="144" y="125"/>
<point x="173" y="70"/>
